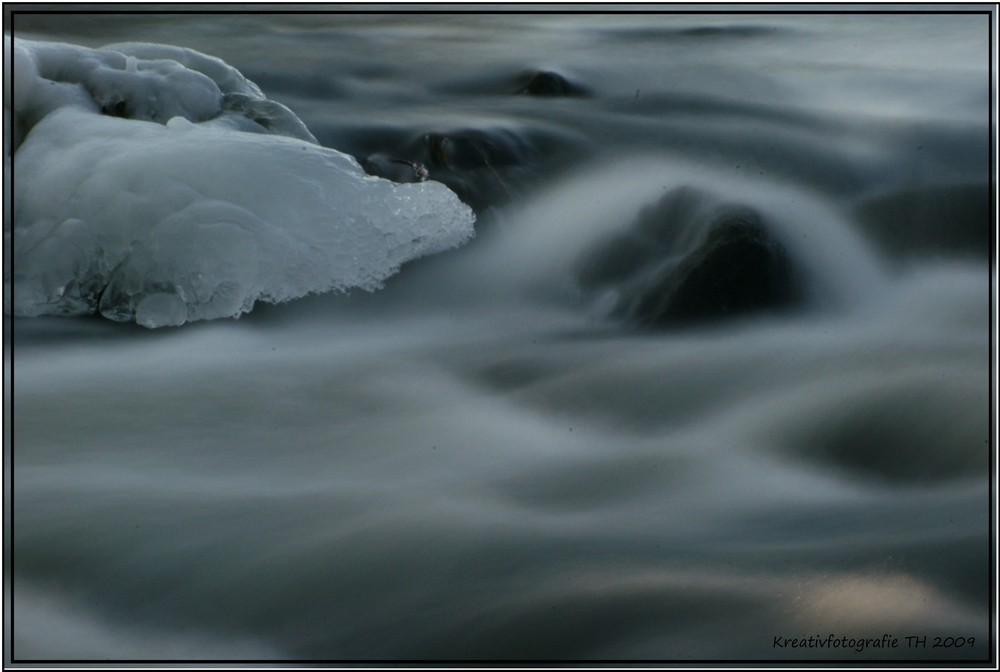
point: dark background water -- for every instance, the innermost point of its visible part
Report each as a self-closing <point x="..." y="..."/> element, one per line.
<point x="481" y="461"/>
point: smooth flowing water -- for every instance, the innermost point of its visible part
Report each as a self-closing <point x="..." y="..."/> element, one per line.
<point x="507" y="453"/>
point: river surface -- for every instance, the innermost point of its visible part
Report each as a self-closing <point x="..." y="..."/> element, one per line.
<point x="496" y="457"/>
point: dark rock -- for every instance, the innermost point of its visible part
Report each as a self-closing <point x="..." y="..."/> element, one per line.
<point x="485" y="166"/>
<point x="659" y="233"/>
<point x="547" y="83"/>
<point x="464" y="150"/>
<point x="687" y="260"/>
<point x="738" y="269"/>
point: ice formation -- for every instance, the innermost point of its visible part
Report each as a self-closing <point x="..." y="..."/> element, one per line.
<point x="157" y="184"/>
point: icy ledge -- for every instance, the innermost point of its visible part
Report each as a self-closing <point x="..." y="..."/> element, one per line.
<point x="157" y="184"/>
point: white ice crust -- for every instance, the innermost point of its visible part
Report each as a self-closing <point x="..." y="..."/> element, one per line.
<point x="157" y="184"/>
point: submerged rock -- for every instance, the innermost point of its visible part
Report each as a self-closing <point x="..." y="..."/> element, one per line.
<point x="486" y="167"/>
<point x="910" y="427"/>
<point x="738" y="269"/>
<point x="951" y="220"/>
<point x="687" y="259"/>
<point x="548" y="83"/>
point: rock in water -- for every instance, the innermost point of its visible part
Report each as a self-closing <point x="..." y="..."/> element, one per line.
<point x="909" y="220"/>
<point x="738" y="269"/>
<point x="156" y="184"/>
<point x="484" y="166"/>
<point x="548" y="83"/>
<point x="687" y="260"/>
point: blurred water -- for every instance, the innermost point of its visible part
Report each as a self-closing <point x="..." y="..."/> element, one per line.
<point x="477" y="462"/>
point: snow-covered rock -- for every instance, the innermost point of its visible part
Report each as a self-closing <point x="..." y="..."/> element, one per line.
<point x="157" y="184"/>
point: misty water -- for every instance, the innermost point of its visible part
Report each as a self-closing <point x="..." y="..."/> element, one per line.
<point x="527" y="447"/>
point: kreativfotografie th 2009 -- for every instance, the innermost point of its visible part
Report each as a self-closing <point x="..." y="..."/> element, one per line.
<point x="860" y="644"/>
